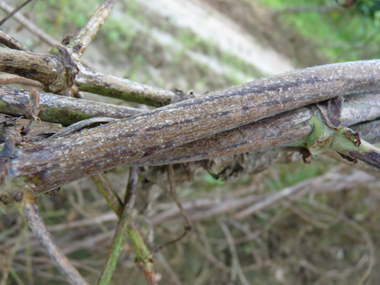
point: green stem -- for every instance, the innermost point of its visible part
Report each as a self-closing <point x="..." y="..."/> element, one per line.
<point x="142" y="253"/>
<point x="341" y="139"/>
<point x="105" y="187"/>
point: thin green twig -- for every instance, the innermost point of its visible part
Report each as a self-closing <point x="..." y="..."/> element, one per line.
<point x="121" y="229"/>
<point x="105" y="187"/>
<point x="142" y="253"/>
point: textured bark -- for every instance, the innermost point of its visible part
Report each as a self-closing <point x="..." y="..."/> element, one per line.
<point x="11" y="42"/>
<point x="60" y="109"/>
<point x="63" y="70"/>
<point x="49" y="164"/>
<point x="44" y="68"/>
<point x="91" y="28"/>
<point x="121" y="88"/>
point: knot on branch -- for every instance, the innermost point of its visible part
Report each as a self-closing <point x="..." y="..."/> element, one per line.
<point x="64" y="83"/>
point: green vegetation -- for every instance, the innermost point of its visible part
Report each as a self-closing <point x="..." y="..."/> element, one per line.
<point x="340" y="34"/>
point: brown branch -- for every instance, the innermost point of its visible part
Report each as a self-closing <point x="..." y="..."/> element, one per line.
<point x="133" y="139"/>
<point x="10" y="15"/>
<point x="44" y="68"/>
<point x="278" y="130"/>
<point x="11" y="42"/>
<point x="14" y="79"/>
<point x="91" y="28"/>
<point x="29" y="25"/>
<point x="38" y="227"/>
<point x="60" y="109"/>
<point x="121" y="88"/>
<point x="54" y="72"/>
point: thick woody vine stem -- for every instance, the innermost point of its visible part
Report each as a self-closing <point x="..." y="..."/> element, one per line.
<point x="44" y="68"/>
<point x="130" y="140"/>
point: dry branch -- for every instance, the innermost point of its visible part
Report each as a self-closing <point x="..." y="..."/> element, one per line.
<point x="91" y="28"/>
<point x="56" y="73"/>
<point x="60" y="109"/>
<point x="35" y="222"/>
<point x="11" y="14"/>
<point x="11" y="42"/>
<point x="29" y="25"/>
<point x="133" y="139"/>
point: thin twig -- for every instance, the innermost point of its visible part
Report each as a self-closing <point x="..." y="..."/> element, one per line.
<point x="328" y="182"/>
<point x="37" y="225"/>
<point x="360" y="229"/>
<point x="10" y="15"/>
<point x="122" y="88"/>
<point x="206" y="252"/>
<point x="188" y="226"/>
<point x="202" y="209"/>
<point x="121" y="229"/>
<point x="105" y="187"/>
<point x="91" y="28"/>
<point x="235" y="257"/>
<point x="173" y="191"/>
<point x="168" y="269"/>
<point x="142" y="252"/>
<point x="74" y="128"/>
<point x="29" y="25"/>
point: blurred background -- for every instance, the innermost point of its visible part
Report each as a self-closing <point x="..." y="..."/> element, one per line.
<point x="246" y="229"/>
